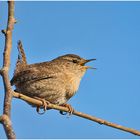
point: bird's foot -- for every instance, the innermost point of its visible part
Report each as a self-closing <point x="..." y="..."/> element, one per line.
<point x="71" y="110"/>
<point x="44" y="105"/>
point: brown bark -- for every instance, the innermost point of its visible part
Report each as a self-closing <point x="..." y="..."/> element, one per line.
<point x="5" y="119"/>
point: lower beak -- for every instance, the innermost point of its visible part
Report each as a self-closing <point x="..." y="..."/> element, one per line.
<point x="88" y="67"/>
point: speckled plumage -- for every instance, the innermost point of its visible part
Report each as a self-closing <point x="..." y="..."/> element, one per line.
<point x="55" y="81"/>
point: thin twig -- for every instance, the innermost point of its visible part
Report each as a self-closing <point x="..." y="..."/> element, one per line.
<point x="80" y="114"/>
<point x="6" y="117"/>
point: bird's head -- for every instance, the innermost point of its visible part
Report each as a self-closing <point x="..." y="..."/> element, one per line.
<point x="76" y="60"/>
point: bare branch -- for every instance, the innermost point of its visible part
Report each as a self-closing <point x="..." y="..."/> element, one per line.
<point x="80" y="114"/>
<point x="5" y="118"/>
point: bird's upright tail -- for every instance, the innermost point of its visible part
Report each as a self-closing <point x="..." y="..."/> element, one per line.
<point x="21" y="61"/>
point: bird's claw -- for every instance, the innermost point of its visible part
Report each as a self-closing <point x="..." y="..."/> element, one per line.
<point x="44" y="105"/>
<point x="71" y="110"/>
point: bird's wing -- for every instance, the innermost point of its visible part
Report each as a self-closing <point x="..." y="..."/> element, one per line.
<point x="32" y="74"/>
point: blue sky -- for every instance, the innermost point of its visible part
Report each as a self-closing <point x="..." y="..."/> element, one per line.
<point x="107" y="31"/>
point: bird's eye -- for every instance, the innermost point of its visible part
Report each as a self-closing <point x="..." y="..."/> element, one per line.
<point x="75" y="61"/>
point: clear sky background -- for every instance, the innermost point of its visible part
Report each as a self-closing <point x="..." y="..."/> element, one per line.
<point x="107" y="31"/>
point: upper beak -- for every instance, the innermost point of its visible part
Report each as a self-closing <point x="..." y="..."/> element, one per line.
<point x="89" y="60"/>
<point x="86" y="61"/>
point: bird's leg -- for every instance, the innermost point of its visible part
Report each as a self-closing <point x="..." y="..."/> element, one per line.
<point x="71" y="110"/>
<point x="44" y="105"/>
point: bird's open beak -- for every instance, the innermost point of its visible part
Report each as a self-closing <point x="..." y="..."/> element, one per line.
<point x="86" y="61"/>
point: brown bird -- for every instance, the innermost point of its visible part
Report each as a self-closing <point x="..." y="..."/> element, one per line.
<point x="56" y="81"/>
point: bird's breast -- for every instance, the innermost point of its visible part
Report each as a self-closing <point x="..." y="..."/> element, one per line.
<point x="73" y="83"/>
